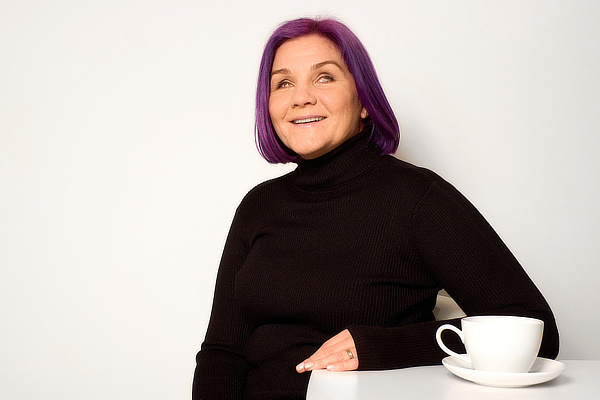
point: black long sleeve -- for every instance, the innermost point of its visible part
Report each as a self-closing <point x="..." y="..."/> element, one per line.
<point x="351" y="240"/>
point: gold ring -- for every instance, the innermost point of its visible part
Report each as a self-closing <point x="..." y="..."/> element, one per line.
<point x="350" y="355"/>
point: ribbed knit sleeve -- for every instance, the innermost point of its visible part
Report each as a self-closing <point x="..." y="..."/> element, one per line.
<point x="221" y="367"/>
<point x="467" y="258"/>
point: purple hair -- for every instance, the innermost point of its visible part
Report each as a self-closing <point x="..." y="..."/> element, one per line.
<point x="385" y="130"/>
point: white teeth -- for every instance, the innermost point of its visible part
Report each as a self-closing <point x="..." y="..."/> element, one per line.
<point x="308" y="120"/>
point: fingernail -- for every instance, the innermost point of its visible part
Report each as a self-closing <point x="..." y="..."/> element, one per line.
<point x="331" y="368"/>
<point x="300" y="367"/>
<point x="308" y="366"/>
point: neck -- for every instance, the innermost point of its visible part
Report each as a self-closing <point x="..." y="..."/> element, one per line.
<point x="343" y="163"/>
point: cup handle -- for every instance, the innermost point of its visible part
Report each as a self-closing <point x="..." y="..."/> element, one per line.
<point x="438" y="337"/>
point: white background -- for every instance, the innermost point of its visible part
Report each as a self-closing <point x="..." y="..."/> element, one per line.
<point x="126" y="143"/>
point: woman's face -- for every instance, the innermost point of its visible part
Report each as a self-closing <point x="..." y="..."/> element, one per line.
<point x="313" y="102"/>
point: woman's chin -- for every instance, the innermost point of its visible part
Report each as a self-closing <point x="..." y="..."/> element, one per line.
<point x="310" y="154"/>
<point x="308" y="150"/>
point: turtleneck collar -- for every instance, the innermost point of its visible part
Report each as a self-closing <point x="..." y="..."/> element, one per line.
<point x="348" y="160"/>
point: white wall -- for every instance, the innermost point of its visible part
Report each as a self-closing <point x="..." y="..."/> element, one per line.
<point x="126" y="144"/>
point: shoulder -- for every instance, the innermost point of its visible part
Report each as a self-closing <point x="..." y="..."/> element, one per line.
<point x="267" y="188"/>
<point x="418" y="186"/>
<point x="262" y="196"/>
<point x="394" y="171"/>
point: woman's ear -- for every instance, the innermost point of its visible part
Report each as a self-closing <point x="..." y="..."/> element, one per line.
<point x="364" y="113"/>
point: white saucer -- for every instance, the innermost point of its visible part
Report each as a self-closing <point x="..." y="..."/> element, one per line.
<point x="543" y="370"/>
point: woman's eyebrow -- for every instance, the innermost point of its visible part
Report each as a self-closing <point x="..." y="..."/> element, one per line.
<point x="280" y="71"/>
<point x="314" y="67"/>
<point x="324" y="63"/>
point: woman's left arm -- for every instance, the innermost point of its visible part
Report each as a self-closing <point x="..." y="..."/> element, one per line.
<point x="462" y="251"/>
<point x="466" y="257"/>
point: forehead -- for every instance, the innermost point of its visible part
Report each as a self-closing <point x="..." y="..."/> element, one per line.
<point x="306" y="50"/>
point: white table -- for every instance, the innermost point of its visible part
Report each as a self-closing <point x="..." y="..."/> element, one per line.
<point x="579" y="381"/>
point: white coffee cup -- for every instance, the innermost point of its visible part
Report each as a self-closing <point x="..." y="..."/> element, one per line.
<point x="497" y="343"/>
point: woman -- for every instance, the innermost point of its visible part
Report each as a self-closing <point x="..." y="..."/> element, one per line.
<point x="337" y="264"/>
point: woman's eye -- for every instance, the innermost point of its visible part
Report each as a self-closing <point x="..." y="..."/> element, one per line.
<point x="283" y="84"/>
<point x="325" y="78"/>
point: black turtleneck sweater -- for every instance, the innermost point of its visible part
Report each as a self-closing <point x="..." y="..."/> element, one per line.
<point x="351" y="240"/>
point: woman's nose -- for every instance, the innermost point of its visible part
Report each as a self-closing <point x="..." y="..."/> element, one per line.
<point x="303" y="96"/>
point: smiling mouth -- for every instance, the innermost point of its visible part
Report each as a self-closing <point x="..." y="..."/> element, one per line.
<point x="307" y="120"/>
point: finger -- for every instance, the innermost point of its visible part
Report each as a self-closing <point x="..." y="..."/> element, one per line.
<point x="320" y="362"/>
<point x="326" y="351"/>
<point x="323" y="362"/>
<point x="348" y="365"/>
<point x="323" y="356"/>
<point x="339" y="342"/>
<point x="333" y="351"/>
